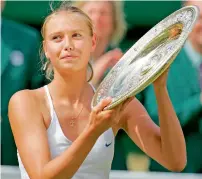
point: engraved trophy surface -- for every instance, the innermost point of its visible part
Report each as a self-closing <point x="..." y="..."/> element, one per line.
<point x="148" y="58"/>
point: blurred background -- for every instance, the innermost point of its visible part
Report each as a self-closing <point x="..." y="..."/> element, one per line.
<point x="20" y="29"/>
<point x="140" y="15"/>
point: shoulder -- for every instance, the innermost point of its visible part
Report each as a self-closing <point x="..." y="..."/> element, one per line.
<point x="23" y="96"/>
<point x="25" y="101"/>
<point x="21" y="100"/>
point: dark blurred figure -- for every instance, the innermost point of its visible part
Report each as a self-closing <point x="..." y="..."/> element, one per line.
<point x="20" y="69"/>
<point x="185" y="93"/>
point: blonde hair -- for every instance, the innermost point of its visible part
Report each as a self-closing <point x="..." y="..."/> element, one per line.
<point x="120" y="25"/>
<point x="64" y="6"/>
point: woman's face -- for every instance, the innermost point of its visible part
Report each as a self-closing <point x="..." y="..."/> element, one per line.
<point x="101" y="13"/>
<point x="68" y="42"/>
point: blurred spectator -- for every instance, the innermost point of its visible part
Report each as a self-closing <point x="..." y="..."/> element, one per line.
<point x="20" y="69"/>
<point x="185" y="93"/>
<point x="110" y="26"/>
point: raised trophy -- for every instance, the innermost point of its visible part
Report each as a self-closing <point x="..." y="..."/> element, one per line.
<point x="148" y="58"/>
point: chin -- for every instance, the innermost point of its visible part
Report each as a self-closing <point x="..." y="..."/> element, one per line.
<point x="69" y="67"/>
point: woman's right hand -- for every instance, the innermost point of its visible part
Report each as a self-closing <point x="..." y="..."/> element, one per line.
<point x="100" y="120"/>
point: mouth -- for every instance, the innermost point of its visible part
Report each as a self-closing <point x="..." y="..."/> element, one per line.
<point x="68" y="57"/>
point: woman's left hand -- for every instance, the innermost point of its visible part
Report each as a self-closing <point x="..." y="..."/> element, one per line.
<point x="161" y="81"/>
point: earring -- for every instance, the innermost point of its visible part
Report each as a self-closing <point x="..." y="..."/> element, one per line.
<point x="46" y="64"/>
<point x="89" y="64"/>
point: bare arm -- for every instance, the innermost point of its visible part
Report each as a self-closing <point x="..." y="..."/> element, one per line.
<point x="172" y="139"/>
<point x="166" y="144"/>
<point x="31" y="138"/>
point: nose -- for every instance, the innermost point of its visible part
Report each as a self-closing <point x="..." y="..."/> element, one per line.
<point x="68" y="44"/>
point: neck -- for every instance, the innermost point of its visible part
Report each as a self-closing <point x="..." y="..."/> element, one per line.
<point x="101" y="47"/>
<point x="70" y="87"/>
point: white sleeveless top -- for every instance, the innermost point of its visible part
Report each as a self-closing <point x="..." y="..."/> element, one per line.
<point x="97" y="164"/>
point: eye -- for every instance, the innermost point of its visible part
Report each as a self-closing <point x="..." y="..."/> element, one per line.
<point x="77" y="35"/>
<point x="56" y="37"/>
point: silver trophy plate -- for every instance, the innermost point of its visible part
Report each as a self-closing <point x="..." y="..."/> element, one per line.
<point x="148" y="58"/>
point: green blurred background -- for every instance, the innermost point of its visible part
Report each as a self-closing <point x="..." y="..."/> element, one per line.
<point x="139" y="14"/>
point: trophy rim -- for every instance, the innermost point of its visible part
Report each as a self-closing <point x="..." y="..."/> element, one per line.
<point x="176" y="17"/>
